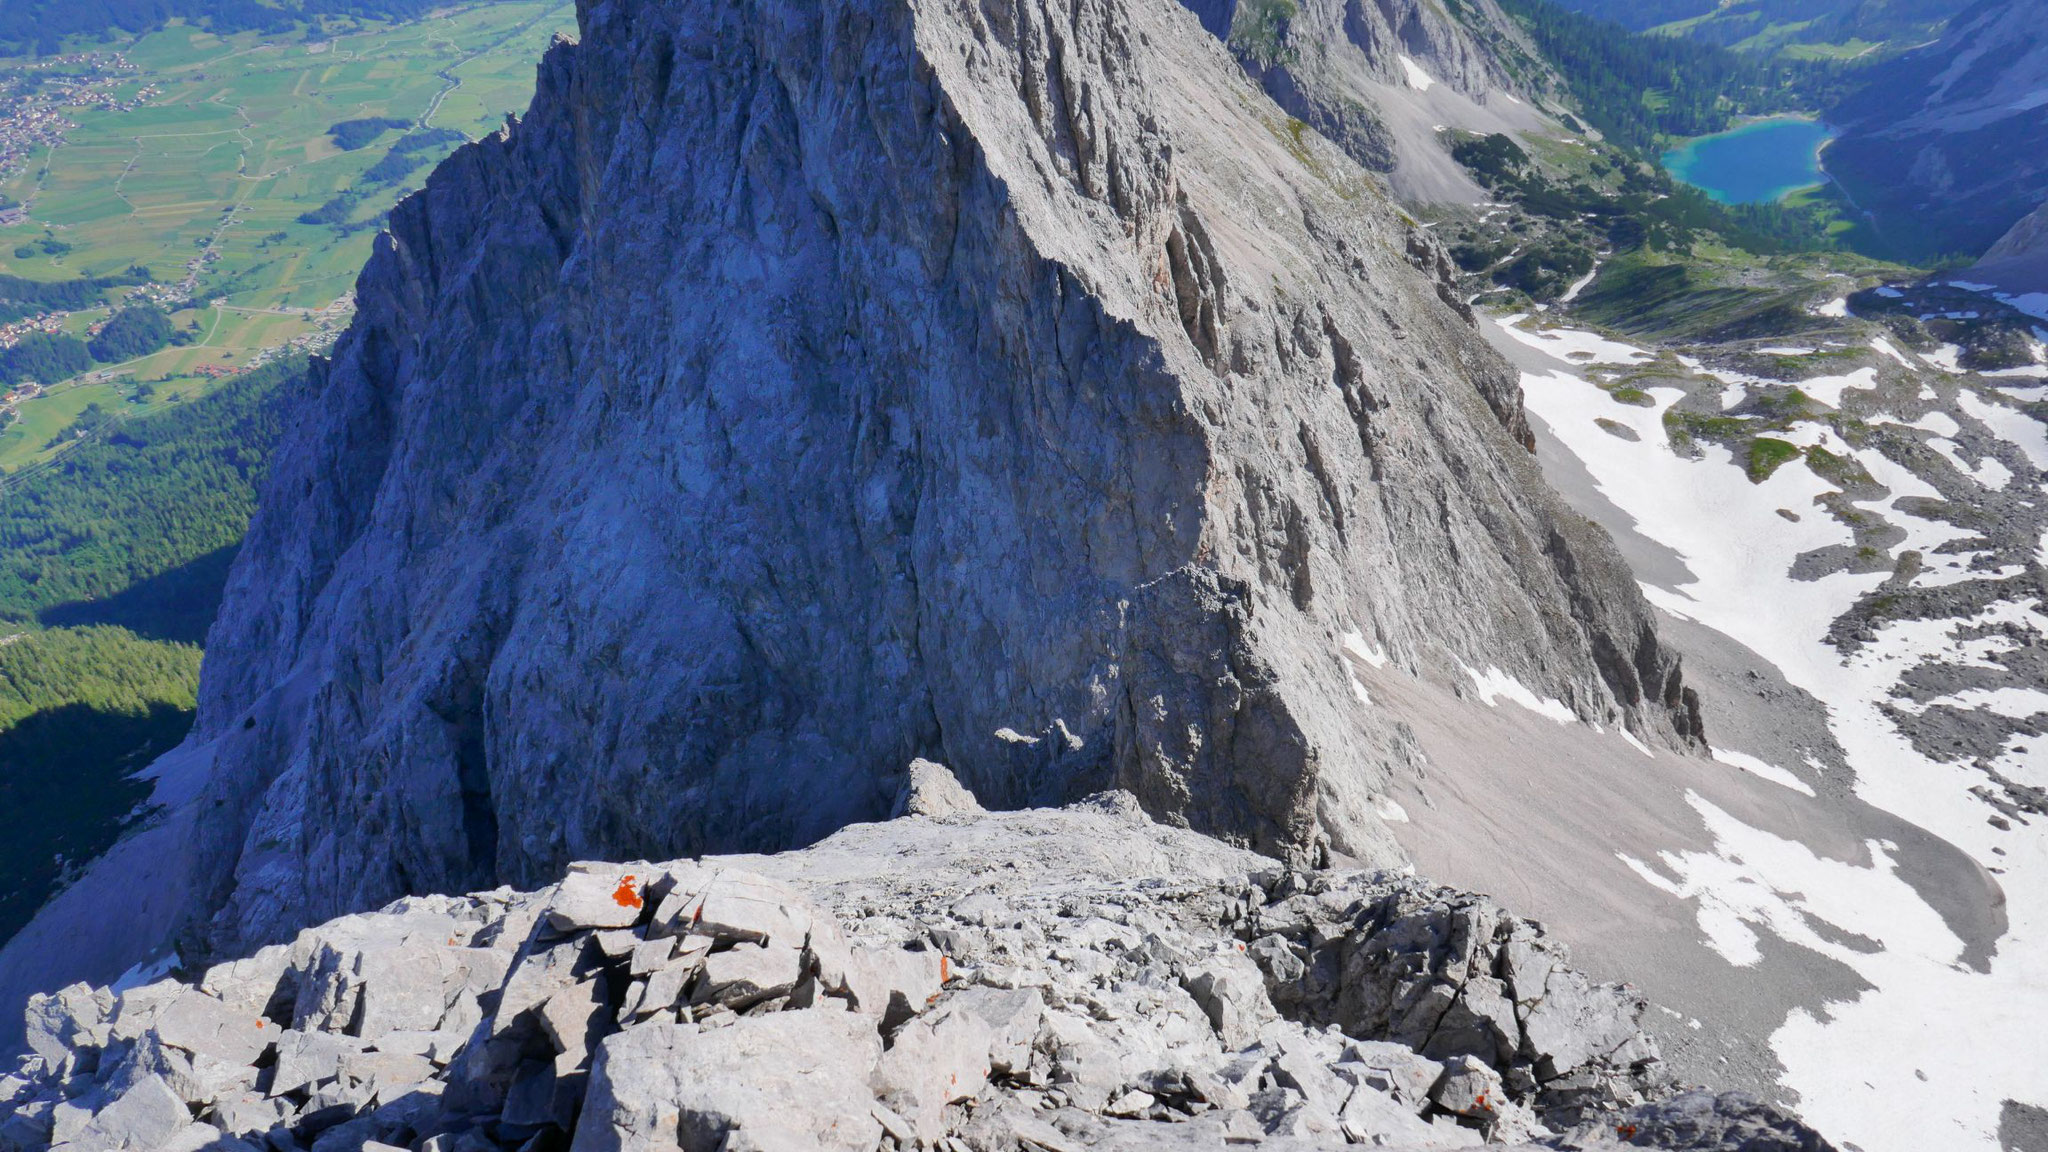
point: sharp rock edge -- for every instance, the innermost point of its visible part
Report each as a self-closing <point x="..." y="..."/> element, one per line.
<point x="1115" y="985"/>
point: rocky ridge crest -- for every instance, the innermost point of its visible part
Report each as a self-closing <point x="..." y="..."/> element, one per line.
<point x="1048" y="981"/>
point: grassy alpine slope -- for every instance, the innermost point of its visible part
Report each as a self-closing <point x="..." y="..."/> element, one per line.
<point x="216" y="164"/>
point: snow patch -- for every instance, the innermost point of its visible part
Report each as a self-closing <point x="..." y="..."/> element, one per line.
<point x="1417" y="79"/>
<point x="1948" y="358"/>
<point x="1885" y="346"/>
<point x="1572" y="345"/>
<point x="1578" y="286"/>
<point x="1354" y="643"/>
<point x="2014" y="703"/>
<point x="145" y="972"/>
<point x="1938" y="422"/>
<point x="1989" y="473"/>
<point x="2029" y="434"/>
<point x="1495" y="685"/>
<point x="1828" y="389"/>
<point x="1762" y="770"/>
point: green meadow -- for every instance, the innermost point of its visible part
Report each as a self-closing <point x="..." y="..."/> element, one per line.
<point x="225" y="157"/>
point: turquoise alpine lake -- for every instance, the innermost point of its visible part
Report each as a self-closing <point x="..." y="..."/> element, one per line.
<point x="1761" y="161"/>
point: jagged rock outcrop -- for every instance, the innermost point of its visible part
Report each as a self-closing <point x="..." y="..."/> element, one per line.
<point x="1947" y="146"/>
<point x="1046" y="981"/>
<point x="799" y="389"/>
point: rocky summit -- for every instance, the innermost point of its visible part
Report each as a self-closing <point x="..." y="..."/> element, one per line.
<point x="1050" y="981"/>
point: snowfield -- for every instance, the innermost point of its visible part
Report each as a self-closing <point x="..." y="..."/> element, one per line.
<point x="1894" y="1069"/>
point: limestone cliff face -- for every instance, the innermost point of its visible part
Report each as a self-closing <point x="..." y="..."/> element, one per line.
<point x="802" y="388"/>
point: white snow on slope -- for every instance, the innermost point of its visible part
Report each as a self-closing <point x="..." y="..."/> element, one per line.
<point x="1573" y="346"/>
<point x="1885" y="346"/>
<point x="1948" y="358"/>
<point x="1988" y="472"/>
<point x="1579" y="285"/>
<point x="1762" y="769"/>
<point x="1753" y="879"/>
<point x="2009" y="424"/>
<point x="1949" y="1094"/>
<point x="1938" y="422"/>
<point x="2018" y="703"/>
<point x="1494" y="685"/>
<point x="1354" y="643"/>
<point x="1417" y="79"/>
<point x="1828" y="389"/>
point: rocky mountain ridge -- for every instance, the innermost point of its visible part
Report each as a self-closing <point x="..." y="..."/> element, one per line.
<point x="1048" y="981"/>
<point x="794" y="391"/>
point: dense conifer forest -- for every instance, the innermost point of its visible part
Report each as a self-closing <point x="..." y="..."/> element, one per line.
<point x="135" y="527"/>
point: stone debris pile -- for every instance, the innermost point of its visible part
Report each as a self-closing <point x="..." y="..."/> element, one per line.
<point x="1048" y="981"/>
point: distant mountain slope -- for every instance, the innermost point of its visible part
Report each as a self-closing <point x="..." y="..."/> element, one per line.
<point x="1774" y="24"/>
<point x="1383" y="80"/>
<point x="1946" y="148"/>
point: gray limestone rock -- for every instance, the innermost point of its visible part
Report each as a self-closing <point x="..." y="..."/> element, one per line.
<point x="789" y="1081"/>
<point x="202" y="1025"/>
<point x="147" y="1117"/>
<point x="1230" y="988"/>
<point x="1082" y="1017"/>
<point x="931" y="789"/>
<point x="605" y="898"/>
<point x="72" y="1018"/>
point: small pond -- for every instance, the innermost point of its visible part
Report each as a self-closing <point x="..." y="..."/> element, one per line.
<point x="1761" y="161"/>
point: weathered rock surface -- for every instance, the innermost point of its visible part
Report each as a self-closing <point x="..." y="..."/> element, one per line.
<point x="803" y="388"/>
<point x="1022" y="982"/>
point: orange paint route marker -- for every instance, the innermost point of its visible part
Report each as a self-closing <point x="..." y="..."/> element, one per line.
<point x="628" y="896"/>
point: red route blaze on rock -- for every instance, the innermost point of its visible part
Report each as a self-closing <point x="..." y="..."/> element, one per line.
<point x="628" y="895"/>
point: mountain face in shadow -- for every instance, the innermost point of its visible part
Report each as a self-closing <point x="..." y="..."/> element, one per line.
<point x="67" y="790"/>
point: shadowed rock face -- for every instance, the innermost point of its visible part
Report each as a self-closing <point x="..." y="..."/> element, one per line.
<point x="803" y="388"/>
<point x="1946" y="147"/>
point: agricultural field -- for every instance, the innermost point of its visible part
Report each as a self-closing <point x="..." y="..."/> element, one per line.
<point x="196" y="157"/>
